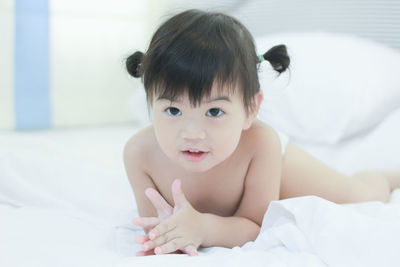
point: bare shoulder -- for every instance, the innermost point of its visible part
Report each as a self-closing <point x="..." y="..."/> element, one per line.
<point x="139" y="146"/>
<point x="260" y="136"/>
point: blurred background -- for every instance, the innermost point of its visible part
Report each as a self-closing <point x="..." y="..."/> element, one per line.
<point x="68" y="106"/>
<point x="62" y="62"/>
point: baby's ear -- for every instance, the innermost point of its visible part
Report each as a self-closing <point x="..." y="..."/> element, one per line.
<point x="253" y="113"/>
<point x="259" y="99"/>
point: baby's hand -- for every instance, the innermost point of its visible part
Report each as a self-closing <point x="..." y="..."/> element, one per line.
<point x="145" y="238"/>
<point x="164" y="211"/>
<point x="184" y="230"/>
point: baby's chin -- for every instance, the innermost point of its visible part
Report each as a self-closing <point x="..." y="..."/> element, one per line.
<point x="200" y="167"/>
<point x="196" y="167"/>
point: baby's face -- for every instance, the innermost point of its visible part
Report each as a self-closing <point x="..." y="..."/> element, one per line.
<point x="213" y="128"/>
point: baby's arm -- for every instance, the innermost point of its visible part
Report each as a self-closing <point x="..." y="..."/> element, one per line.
<point x="140" y="181"/>
<point x="262" y="185"/>
<point x="138" y="178"/>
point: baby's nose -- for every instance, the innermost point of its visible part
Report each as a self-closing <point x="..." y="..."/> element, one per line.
<point x="193" y="132"/>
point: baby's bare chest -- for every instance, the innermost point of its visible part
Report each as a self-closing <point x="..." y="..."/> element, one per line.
<point x="218" y="192"/>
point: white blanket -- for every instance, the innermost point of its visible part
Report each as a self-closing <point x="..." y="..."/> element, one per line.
<point x="363" y="234"/>
<point x="305" y="231"/>
<point x="65" y="201"/>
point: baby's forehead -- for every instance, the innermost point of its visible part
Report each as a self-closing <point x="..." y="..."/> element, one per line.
<point x="184" y="94"/>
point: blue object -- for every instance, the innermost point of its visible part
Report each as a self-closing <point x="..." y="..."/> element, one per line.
<point x="31" y="75"/>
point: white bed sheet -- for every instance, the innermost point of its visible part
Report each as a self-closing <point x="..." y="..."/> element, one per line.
<point x="65" y="201"/>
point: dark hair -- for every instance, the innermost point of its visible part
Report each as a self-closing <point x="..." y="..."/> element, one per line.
<point x="195" y="49"/>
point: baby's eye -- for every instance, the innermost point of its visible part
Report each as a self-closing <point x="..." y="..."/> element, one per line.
<point x="173" y="111"/>
<point x="215" y="112"/>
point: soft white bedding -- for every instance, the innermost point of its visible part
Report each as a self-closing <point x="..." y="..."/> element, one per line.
<point x="65" y="201"/>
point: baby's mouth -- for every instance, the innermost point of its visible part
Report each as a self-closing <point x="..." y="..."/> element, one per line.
<point x="194" y="151"/>
<point x="194" y="155"/>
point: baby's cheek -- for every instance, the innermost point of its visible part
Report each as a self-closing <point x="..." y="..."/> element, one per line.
<point x="221" y="153"/>
<point x="166" y="142"/>
<point x="229" y="144"/>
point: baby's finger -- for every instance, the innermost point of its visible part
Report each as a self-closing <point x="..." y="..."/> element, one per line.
<point x="146" y="222"/>
<point x="161" y="240"/>
<point x="142" y="238"/>
<point x="163" y="228"/>
<point x="171" y="245"/>
<point x="163" y="208"/>
<point x="191" y="250"/>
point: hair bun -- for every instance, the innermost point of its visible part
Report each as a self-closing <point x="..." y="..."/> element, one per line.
<point x="133" y="64"/>
<point x="278" y="58"/>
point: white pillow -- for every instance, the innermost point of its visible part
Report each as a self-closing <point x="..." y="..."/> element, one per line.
<point x="338" y="86"/>
<point x="375" y="150"/>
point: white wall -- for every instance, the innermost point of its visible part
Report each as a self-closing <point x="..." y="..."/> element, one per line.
<point x="88" y="43"/>
<point x="6" y="63"/>
<point x="90" y="40"/>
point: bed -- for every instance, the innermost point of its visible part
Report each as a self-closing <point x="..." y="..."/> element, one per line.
<point x="64" y="195"/>
<point x="65" y="201"/>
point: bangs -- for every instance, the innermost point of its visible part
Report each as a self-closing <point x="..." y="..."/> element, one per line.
<point x="192" y="63"/>
<point x="195" y="74"/>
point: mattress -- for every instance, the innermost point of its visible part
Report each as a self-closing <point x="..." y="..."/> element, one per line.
<point x="65" y="201"/>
